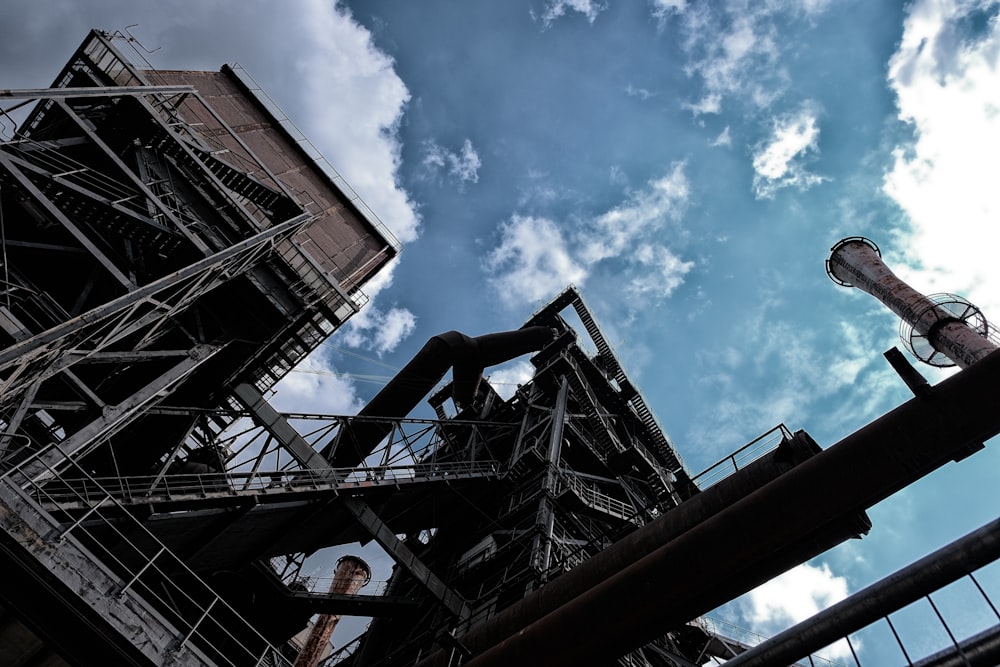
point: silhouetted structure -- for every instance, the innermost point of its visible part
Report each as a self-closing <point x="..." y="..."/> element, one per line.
<point x="156" y="509"/>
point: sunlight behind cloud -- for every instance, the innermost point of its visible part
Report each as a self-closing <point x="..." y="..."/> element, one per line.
<point x="358" y="133"/>
<point x="793" y="597"/>
<point x="947" y="84"/>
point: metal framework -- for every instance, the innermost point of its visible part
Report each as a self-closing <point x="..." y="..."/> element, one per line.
<point x="156" y="509"/>
<point x="165" y="256"/>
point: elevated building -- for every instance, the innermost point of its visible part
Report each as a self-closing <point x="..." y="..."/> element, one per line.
<point x="172" y="248"/>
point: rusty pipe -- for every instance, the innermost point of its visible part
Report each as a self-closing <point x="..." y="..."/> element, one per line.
<point x="714" y="560"/>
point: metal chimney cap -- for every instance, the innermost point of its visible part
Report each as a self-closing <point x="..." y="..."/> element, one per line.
<point x="840" y="244"/>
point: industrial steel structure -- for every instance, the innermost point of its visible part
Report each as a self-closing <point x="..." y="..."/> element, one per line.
<point x="171" y="248"/>
<point x="156" y="509"/>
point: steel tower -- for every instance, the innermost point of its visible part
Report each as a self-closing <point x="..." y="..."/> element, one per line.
<point x="172" y="248"/>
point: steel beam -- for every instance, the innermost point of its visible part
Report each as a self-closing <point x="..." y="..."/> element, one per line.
<point x="114" y="417"/>
<point x="406" y="559"/>
<point x="92" y="91"/>
<point x="950" y="563"/>
<point x="277" y="425"/>
<point x="695" y="571"/>
<point x="51" y="209"/>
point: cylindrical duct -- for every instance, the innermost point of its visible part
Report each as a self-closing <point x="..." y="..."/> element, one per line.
<point x="466" y="356"/>
<point x="730" y="551"/>
<point x="857" y="262"/>
<point x="352" y="573"/>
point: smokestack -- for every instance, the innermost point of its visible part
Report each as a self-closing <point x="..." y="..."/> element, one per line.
<point x="941" y="330"/>
<point x="352" y="573"/>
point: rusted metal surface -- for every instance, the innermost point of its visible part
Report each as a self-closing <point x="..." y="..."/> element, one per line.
<point x="969" y="553"/>
<point x="351" y="575"/>
<point x="757" y="537"/>
<point x="856" y="262"/>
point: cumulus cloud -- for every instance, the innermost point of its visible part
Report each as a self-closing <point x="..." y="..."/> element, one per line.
<point x="359" y="132"/>
<point x="945" y="77"/>
<point x="557" y="8"/>
<point x="793" y="597"/>
<point x="535" y="259"/>
<point x="778" y="161"/>
<point x="461" y="165"/>
<point x="378" y="330"/>
<point x="532" y="261"/>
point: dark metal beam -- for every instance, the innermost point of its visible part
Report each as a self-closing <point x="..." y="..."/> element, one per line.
<point x="114" y="417"/>
<point x="406" y="559"/>
<point x="930" y="573"/>
<point x="51" y="209"/>
<point x="92" y="91"/>
<point x="87" y="129"/>
<point x="774" y="527"/>
<point x="979" y="650"/>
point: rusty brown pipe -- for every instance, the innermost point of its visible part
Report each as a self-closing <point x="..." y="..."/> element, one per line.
<point x="729" y="553"/>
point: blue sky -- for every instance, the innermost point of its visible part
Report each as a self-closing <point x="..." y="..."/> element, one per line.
<point x="686" y="164"/>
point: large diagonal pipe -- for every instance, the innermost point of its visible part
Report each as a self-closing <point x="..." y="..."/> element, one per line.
<point x="931" y="573"/>
<point x="465" y="355"/>
<point x="730" y="552"/>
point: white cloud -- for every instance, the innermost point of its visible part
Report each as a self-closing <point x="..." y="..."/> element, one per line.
<point x="733" y="47"/>
<point x="355" y="101"/>
<point x="662" y="273"/>
<point x="665" y="8"/>
<point x="641" y="93"/>
<point x="612" y="233"/>
<point x="811" y="373"/>
<point x="557" y="8"/>
<point x="315" y="387"/>
<point x="793" y="597"/>
<point x="724" y="138"/>
<point x="505" y="379"/>
<point x="535" y="259"/>
<point x="778" y="161"/>
<point x="462" y="165"/>
<point x="947" y="85"/>
<point x="378" y="330"/>
<point x="532" y="262"/>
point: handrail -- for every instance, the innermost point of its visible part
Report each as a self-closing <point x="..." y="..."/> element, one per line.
<point x="594" y="498"/>
<point x="157" y="566"/>
<point x="145" y="489"/>
<point x="742" y="457"/>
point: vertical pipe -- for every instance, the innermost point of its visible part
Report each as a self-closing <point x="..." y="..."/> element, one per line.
<point x="352" y="573"/>
<point x="856" y="262"/>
